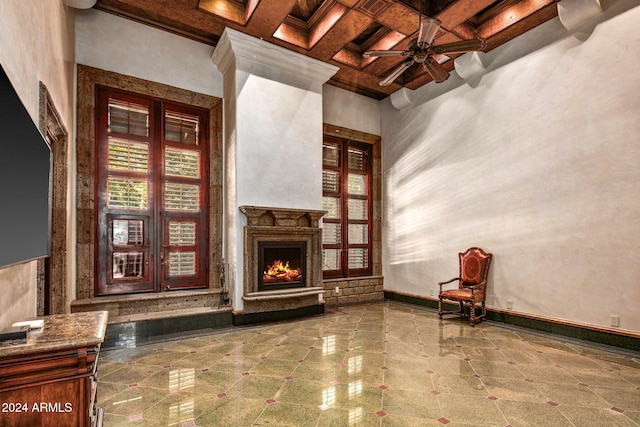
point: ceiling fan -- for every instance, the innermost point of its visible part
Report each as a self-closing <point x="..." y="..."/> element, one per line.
<point x="421" y="50"/>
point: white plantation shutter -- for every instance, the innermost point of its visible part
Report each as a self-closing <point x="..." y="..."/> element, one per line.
<point x="183" y="163"/>
<point x="127" y="117"/>
<point x="182" y="233"/>
<point x="181" y="128"/>
<point x="181" y="197"/>
<point x="127" y="193"/>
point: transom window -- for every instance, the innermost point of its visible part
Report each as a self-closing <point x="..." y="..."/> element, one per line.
<point x="152" y="194"/>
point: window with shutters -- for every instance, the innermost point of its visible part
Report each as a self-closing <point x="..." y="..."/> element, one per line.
<point x="152" y="183"/>
<point x="347" y="198"/>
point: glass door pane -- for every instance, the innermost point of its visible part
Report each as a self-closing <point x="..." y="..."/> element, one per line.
<point x="125" y="187"/>
<point x="128" y="252"/>
<point x="184" y="202"/>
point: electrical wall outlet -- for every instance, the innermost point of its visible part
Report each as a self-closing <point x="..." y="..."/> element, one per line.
<point x="615" y="320"/>
<point x="509" y="304"/>
<point x="337" y="289"/>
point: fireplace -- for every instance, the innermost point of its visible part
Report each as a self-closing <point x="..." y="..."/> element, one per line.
<point x="281" y="265"/>
<point x="289" y="243"/>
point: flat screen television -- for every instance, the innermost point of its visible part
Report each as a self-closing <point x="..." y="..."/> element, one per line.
<point x="25" y="167"/>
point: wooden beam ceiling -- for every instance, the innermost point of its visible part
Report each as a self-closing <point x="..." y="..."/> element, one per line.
<point x="339" y="31"/>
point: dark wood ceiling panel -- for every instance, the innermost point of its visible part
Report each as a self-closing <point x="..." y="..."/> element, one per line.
<point x="348" y="3"/>
<point x="373" y="8"/>
<point x="185" y="20"/>
<point x="522" y="26"/>
<point x="343" y="32"/>
<point x="227" y="9"/>
<point x="304" y="9"/>
<point x="373" y="31"/>
<point x="460" y="11"/>
<point x="508" y="17"/>
<point x="339" y="31"/>
<point x="400" y="18"/>
<point x="268" y="16"/>
<point x="365" y="84"/>
<point x="428" y="7"/>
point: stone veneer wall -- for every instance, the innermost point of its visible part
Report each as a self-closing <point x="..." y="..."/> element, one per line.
<point x="353" y="290"/>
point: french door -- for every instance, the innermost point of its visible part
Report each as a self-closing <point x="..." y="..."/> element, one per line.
<point x="152" y="182"/>
<point x="346" y="196"/>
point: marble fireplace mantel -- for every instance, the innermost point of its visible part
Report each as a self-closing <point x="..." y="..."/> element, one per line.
<point x="270" y="224"/>
<point x="281" y="217"/>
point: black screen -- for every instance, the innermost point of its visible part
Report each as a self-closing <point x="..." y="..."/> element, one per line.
<point x="25" y="164"/>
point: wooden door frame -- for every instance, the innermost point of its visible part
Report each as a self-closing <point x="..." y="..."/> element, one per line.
<point x="52" y="271"/>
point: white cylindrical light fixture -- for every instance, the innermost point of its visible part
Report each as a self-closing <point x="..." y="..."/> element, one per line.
<point x="81" y="4"/>
<point x="402" y="98"/>
<point x="470" y="67"/>
<point x="574" y="13"/>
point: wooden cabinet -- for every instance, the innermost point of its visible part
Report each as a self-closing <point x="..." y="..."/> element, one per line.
<point x="50" y="381"/>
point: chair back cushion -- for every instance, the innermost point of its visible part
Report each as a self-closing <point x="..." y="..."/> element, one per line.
<point x="474" y="266"/>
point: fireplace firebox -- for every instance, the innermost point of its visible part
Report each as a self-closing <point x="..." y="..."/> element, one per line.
<point x="281" y="265"/>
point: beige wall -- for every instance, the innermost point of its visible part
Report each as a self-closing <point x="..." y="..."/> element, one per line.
<point x="112" y="43"/>
<point x="350" y="110"/>
<point x="36" y="45"/>
<point x="537" y="164"/>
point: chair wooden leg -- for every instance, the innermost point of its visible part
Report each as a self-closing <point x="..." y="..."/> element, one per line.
<point x="440" y="307"/>
<point x="472" y="312"/>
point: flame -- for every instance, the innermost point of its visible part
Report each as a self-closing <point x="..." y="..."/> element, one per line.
<point x="280" y="271"/>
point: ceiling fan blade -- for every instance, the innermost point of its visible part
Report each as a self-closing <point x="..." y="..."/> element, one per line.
<point x="461" y="46"/>
<point x="396" y="73"/>
<point x="435" y="70"/>
<point x="428" y="30"/>
<point x="370" y="53"/>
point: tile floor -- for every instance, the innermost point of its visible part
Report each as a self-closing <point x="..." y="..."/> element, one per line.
<point x="384" y="364"/>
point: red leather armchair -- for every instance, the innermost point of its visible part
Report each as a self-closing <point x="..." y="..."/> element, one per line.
<point x="472" y="285"/>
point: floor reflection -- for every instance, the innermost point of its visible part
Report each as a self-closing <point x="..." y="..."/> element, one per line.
<point x="371" y="365"/>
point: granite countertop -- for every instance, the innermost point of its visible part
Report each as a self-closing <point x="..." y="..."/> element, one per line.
<point x="60" y="331"/>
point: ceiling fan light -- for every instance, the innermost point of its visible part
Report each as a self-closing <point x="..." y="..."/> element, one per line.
<point x="428" y="30"/>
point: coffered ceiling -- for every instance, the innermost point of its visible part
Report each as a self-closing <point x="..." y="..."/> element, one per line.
<point x="339" y="31"/>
